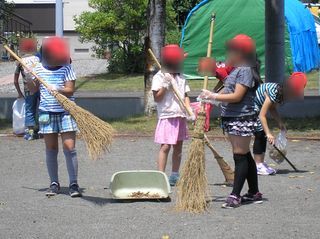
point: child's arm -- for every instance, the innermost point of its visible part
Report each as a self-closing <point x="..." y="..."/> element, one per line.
<point x="234" y="97"/>
<point x="267" y="105"/>
<point x="158" y="95"/>
<point x="16" y="83"/>
<point x="275" y="115"/>
<point x="187" y="100"/>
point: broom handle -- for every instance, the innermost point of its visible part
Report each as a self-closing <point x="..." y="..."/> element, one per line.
<point x="175" y="90"/>
<point x="285" y="157"/>
<point x="15" y="56"/>
<point x="209" y="50"/>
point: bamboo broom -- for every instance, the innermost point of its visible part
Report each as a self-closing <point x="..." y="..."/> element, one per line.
<point x="227" y="171"/>
<point x="192" y="188"/>
<point x="96" y="133"/>
<point x="224" y="166"/>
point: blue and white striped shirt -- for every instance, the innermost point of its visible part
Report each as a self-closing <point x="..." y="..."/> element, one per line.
<point x="270" y="89"/>
<point x="56" y="78"/>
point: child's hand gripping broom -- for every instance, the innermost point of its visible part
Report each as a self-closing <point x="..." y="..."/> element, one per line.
<point x="224" y="166"/>
<point x="192" y="188"/>
<point x="96" y="133"/>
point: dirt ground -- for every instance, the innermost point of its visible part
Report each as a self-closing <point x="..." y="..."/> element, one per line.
<point x="291" y="208"/>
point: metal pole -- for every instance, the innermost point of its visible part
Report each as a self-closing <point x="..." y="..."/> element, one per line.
<point x="274" y="41"/>
<point x="59" y="18"/>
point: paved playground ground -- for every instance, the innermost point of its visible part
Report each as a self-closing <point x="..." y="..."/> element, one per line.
<point x="291" y="209"/>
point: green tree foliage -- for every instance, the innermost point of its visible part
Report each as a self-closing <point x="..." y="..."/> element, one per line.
<point x="182" y="8"/>
<point x="119" y="27"/>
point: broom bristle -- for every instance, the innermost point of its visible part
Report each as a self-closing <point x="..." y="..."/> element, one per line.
<point x="192" y="188"/>
<point x="97" y="134"/>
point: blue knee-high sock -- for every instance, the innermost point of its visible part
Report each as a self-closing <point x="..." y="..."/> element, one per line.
<point x="72" y="165"/>
<point x="52" y="164"/>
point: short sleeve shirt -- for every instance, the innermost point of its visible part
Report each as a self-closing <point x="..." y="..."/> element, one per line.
<point x="270" y="89"/>
<point x="243" y="76"/>
<point x="169" y="106"/>
<point x="31" y="61"/>
<point x="56" y="78"/>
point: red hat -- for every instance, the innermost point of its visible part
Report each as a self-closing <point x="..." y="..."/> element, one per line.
<point x="57" y="49"/>
<point x="28" y="45"/>
<point x="172" y="54"/>
<point x="242" y="43"/>
<point x="297" y="82"/>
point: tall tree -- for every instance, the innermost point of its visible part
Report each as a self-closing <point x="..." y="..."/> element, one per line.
<point x="118" y="27"/>
<point x="155" y="40"/>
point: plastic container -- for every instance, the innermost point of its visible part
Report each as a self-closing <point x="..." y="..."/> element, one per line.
<point x="18" y="116"/>
<point x="140" y="184"/>
<point x="281" y="144"/>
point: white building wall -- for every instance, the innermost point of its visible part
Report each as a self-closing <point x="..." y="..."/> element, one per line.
<point x="71" y="8"/>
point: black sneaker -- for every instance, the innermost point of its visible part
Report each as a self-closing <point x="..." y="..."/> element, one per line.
<point x="74" y="190"/>
<point x="53" y="189"/>
<point x="252" y="198"/>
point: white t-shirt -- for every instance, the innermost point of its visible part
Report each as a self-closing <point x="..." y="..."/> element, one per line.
<point x="169" y="106"/>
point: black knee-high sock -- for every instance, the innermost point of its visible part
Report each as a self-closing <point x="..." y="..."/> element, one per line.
<point x="252" y="176"/>
<point x="240" y="172"/>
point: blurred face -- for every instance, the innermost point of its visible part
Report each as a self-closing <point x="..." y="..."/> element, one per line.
<point x="234" y="57"/>
<point x="55" y="52"/>
<point x="27" y="46"/>
<point x="290" y="94"/>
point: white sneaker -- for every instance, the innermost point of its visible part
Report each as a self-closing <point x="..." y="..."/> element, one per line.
<point x="264" y="169"/>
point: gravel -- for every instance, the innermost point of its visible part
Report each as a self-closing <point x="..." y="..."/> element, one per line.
<point x="291" y="209"/>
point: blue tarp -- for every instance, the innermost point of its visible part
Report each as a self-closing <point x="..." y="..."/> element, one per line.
<point x="303" y="36"/>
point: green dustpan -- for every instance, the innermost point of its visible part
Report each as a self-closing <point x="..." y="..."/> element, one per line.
<point x="140" y="184"/>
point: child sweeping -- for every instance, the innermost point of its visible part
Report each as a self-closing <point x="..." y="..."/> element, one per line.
<point x="268" y="97"/>
<point x="53" y="120"/>
<point x="171" y="129"/>
<point x="239" y="117"/>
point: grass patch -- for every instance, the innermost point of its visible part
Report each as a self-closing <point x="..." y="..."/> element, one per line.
<point x="122" y="82"/>
<point x="308" y="127"/>
<point x="111" y="82"/>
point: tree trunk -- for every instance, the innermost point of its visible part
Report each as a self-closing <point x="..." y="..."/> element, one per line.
<point x="1" y="17"/>
<point x="155" y="40"/>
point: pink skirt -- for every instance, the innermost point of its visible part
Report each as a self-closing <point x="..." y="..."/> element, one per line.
<point x="171" y="130"/>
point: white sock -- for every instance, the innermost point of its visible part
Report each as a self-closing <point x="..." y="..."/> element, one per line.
<point x="175" y="174"/>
